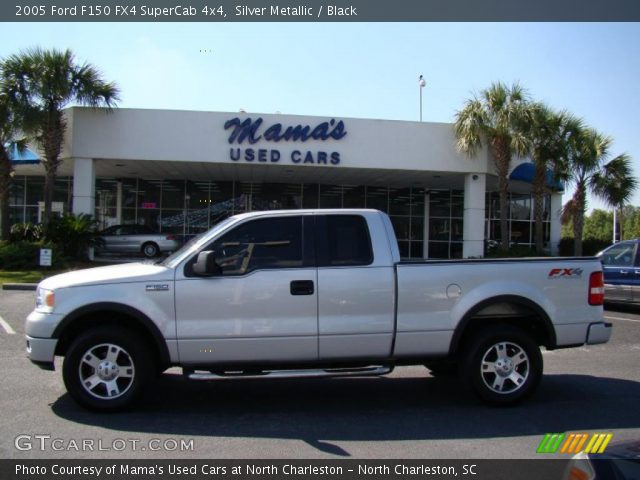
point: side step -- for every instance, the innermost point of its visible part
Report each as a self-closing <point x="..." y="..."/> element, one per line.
<point x="331" y="372"/>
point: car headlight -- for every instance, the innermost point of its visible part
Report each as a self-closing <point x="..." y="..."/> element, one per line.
<point x="45" y="300"/>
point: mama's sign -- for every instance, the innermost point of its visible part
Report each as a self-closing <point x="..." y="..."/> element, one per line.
<point x="253" y="131"/>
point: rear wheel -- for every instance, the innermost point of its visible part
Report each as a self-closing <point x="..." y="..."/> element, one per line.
<point x="150" y="250"/>
<point x="503" y="365"/>
<point x="106" y="369"/>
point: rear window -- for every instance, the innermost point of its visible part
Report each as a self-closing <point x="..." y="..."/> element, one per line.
<point x="345" y="242"/>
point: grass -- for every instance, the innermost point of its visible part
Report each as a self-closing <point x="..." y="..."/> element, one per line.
<point x="25" y="276"/>
<point x="35" y="276"/>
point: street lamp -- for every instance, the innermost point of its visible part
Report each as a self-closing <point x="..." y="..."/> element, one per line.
<point x="421" y="82"/>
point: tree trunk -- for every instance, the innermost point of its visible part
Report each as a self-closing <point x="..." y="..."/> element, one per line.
<point x="578" y="219"/>
<point x="49" y="185"/>
<point x="502" y="158"/>
<point x="52" y="138"/>
<point x="539" y="181"/>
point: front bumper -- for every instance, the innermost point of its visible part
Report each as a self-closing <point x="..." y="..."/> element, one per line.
<point x="41" y="351"/>
<point x="599" y="333"/>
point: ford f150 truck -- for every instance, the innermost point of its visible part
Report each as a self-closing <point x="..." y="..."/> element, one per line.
<point x="311" y="293"/>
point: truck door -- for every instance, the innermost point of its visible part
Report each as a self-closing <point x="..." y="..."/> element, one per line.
<point x="355" y="297"/>
<point x="262" y="307"/>
<point x="619" y="271"/>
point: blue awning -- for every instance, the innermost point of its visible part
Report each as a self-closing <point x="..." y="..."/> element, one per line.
<point x="525" y="172"/>
<point x="26" y="157"/>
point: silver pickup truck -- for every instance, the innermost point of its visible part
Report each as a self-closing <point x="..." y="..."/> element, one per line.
<point x="311" y="293"/>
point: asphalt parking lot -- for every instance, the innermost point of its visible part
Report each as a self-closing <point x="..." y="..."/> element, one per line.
<point x="407" y="414"/>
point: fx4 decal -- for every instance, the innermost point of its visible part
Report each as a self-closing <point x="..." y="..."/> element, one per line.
<point x="565" y="273"/>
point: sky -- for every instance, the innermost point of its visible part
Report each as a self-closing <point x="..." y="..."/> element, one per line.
<point x="361" y="70"/>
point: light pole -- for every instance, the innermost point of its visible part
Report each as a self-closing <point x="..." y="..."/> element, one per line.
<point x="421" y="82"/>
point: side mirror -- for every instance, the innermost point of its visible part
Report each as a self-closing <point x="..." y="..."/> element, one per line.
<point x="206" y="265"/>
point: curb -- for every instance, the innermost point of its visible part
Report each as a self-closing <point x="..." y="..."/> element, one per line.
<point x="19" y="286"/>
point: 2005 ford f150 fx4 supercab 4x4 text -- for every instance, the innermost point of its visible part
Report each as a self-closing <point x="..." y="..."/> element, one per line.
<point x="311" y="293"/>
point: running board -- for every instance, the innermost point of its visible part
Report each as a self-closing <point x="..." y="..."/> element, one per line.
<point x="331" y="372"/>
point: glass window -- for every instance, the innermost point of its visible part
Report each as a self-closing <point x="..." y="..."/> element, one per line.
<point x="520" y="207"/>
<point x="520" y="232"/>
<point x="377" y="198"/>
<point x="173" y="194"/>
<point x="401" y="227"/>
<point x="399" y="201"/>
<point x="619" y="255"/>
<point x="417" y="250"/>
<point x="310" y="196"/>
<point x="148" y="192"/>
<point x="353" y="197"/>
<point x="417" y="202"/>
<point x="439" y="250"/>
<point x="440" y="204"/>
<point x="260" y="244"/>
<point x="35" y="190"/>
<point x="344" y="241"/>
<point x="16" y="191"/>
<point x="330" y="196"/>
<point x="439" y="229"/>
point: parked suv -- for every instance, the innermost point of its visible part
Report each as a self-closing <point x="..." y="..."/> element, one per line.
<point x="136" y="239"/>
<point x="621" y="267"/>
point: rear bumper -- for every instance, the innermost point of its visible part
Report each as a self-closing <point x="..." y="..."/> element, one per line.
<point x="41" y="351"/>
<point x="599" y="333"/>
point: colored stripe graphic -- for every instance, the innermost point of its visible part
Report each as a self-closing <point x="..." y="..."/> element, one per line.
<point x="550" y="443"/>
<point x="572" y="443"/>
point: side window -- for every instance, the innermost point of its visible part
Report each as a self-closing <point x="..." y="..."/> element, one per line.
<point x="260" y="244"/>
<point x="345" y="241"/>
<point x="620" y="255"/>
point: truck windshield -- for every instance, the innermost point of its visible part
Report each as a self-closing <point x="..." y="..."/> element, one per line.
<point x="193" y="245"/>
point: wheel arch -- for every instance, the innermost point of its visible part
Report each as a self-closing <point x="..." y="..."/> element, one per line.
<point x="529" y="315"/>
<point x="104" y="313"/>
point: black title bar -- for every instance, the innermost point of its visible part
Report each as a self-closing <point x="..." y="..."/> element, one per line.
<point x="320" y="11"/>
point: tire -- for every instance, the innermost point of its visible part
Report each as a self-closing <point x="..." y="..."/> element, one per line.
<point x="150" y="250"/>
<point x="503" y="365"/>
<point x="107" y="368"/>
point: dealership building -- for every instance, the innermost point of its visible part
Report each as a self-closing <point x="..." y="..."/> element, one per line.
<point x="181" y="172"/>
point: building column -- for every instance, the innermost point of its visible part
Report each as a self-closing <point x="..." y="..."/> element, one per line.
<point x="84" y="186"/>
<point x="425" y="248"/>
<point x="118" y="202"/>
<point x="555" y="234"/>
<point x="473" y="226"/>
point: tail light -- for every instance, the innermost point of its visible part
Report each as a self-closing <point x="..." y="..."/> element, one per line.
<point x="596" y="288"/>
<point x="170" y="237"/>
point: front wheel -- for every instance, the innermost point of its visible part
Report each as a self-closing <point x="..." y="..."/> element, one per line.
<point x="503" y="365"/>
<point x="106" y="369"/>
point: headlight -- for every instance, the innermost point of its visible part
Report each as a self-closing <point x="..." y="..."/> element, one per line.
<point x="45" y="300"/>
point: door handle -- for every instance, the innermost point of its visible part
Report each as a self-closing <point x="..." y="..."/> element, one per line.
<point x="301" y="287"/>
<point x="624" y="272"/>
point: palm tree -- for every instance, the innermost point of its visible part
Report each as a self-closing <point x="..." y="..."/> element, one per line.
<point x="549" y="133"/>
<point x="43" y="83"/>
<point x="500" y="116"/>
<point x="590" y="172"/>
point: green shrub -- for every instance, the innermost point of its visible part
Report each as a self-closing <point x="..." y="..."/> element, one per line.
<point x="26" y="256"/>
<point x="19" y="255"/>
<point x="73" y="234"/>
<point x="515" y="251"/>
<point x="26" y="232"/>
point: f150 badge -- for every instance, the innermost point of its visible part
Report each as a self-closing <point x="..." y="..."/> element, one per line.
<point x="565" y="273"/>
<point x="157" y="287"/>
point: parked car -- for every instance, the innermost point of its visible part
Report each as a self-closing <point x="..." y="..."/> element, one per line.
<point x="310" y="293"/>
<point x="621" y="267"/>
<point x="135" y="239"/>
